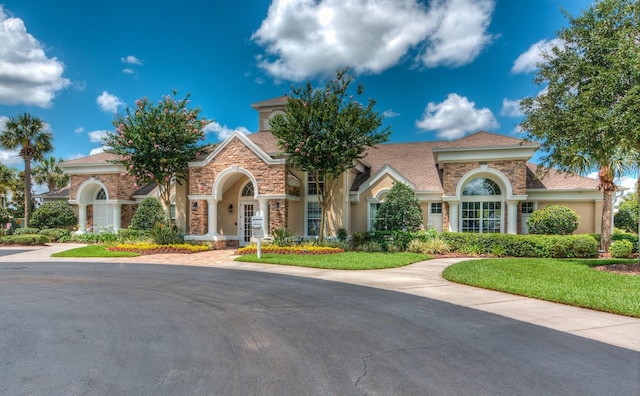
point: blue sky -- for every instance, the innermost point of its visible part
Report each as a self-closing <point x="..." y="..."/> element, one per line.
<point x="438" y="69"/>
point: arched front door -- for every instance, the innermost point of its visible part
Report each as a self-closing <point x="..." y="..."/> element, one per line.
<point x="248" y="206"/>
<point x="102" y="212"/>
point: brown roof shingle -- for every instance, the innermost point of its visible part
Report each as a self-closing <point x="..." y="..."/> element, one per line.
<point x="554" y="180"/>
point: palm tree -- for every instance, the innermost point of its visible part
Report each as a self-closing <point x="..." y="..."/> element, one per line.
<point x="8" y="183"/>
<point x="27" y="133"/>
<point x="49" y="172"/>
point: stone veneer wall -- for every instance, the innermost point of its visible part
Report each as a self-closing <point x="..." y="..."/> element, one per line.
<point x="271" y="179"/>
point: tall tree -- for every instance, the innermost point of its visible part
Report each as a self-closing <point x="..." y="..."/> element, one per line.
<point x="49" y="172"/>
<point x="26" y="133"/>
<point x="8" y="182"/>
<point x="323" y="131"/>
<point x="576" y="117"/>
<point x="400" y="210"/>
<point x="155" y="142"/>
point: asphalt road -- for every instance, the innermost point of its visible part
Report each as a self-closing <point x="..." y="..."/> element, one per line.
<point x="116" y="329"/>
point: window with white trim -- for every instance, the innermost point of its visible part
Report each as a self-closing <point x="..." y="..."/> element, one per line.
<point x="373" y="212"/>
<point x="436" y="208"/>
<point x="311" y="185"/>
<point x="481" y="208"/>
<point x="314" y="214"/>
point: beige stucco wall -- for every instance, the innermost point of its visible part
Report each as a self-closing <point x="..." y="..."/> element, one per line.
<point x="360" y="210"/>
<point x="590" y="215"/>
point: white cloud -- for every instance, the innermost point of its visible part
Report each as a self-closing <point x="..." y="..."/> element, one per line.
<point x="10" y="158"/>
<point x="97" y="136"/>
<point x="303" y="38"/>
<point x="79" y="129"/>
<point x="222" y="131"/>
<point x="511" y="108"/>
<point x="97" y="150"/>
<point x="460" y="32"/>
<point x="528" y="61"/>
<point x="390" y="114"/>
<point x="108" y="102"/>
<point x="128" y="71"/>
<point x="28" y="76"/>
<point x="131" y="60"/>
<point x="455" y="117"/>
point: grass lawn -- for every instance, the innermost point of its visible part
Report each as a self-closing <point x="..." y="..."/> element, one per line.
<point x="566" y="281"/>
<point x="93" y="251"/>
<point x="339" y="261"/>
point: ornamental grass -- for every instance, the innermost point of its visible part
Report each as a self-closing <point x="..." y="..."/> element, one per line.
<point x="309" y="249"/>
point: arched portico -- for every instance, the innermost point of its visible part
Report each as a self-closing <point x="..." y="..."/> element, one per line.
<point x="106" y="211"/>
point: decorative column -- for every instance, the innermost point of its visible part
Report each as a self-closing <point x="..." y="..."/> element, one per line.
<point x="117" y="216"/>
<point x="454" y="216"/>
<point x="82" y="218"/>
<point x="212" y="217"/>
<point x="512" y="217"/>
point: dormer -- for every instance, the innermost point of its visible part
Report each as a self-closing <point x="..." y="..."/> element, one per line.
<point x="268" y="109"/>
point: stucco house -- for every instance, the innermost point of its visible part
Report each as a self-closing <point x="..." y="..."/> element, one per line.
<point x="479" y="183"/>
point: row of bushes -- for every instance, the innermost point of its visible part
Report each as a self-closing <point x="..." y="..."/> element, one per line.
<point x="431" y="242"/>
<point x="25" y="240"/>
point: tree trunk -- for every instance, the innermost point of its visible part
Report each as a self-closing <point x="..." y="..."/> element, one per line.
<point x="607" y="209"/>
<point x="27" y="191"/>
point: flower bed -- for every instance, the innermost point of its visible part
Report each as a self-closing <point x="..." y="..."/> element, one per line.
<point x="152" y="248"/>
<point x="252" y="249"/>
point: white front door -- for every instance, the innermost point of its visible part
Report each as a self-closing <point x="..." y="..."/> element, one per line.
<point x="247" y="210"/>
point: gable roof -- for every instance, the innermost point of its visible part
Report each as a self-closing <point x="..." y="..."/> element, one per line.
<point x="100" y="158"/>
<point x="483" y="139"/>
<point x="554" y="180"/>
<point x="266" y="141"/>
<point x="279" y="102"/>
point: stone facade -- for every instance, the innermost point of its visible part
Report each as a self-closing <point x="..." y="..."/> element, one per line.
<point x="515" y="171"/>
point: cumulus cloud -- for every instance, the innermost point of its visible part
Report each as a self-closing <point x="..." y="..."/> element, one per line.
<point x="10" y="158"/>
<point x="511" y="108"/>
<point x="528" y="61"/>
<point x="97" y="136"/>
<point x="131" y="60"/>
<point x="455" y="117"/>
<point x="303" y="38"/>
<point x="222" y="131"/>
<point x="28" y="76"/>
<point x="108" y="102"/>
<point x="128" y="71"/>
<point x="460" y="32"/>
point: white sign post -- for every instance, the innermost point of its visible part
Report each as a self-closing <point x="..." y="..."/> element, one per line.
<point x="257" y="222"/>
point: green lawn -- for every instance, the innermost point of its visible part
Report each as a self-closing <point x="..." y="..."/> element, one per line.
<point x="339" y="261"/>
<point x="93" y="251"/>
<point x="566" y="281"/>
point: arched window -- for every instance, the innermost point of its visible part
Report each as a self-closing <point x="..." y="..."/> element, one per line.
<point x="247" y="191"/>
<point x="481" y="207"/>
<point x="481" y="186"/>
<point x="101" y="195"/>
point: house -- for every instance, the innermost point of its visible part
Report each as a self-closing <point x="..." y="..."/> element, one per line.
<point x="480" y="183"/>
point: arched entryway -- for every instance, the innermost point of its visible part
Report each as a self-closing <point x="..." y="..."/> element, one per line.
<point x="481" y="208"/>
<point x="248" y="206"/>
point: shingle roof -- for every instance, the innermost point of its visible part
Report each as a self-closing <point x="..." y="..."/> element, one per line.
<point x="99" y="158"/>
<point x="554" y="180"/>
<point x="266" y="141"/>
<point x="483" y="139"/>
<point x="59" y="193"/>
<point x="279" y="101"/>
<point x="414" y="161"/>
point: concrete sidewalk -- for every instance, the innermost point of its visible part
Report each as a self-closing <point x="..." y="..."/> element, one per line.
<point x="421" y="279"/>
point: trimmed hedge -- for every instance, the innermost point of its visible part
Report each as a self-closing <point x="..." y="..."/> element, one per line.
<point x="26" y="239"/>
<point x="552" y="246"/>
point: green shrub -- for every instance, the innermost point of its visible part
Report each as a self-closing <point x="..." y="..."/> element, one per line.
<point x="95" y="237"/>
<point x="400" y="211"/>
<point x="621" y="249"/>
<point x="149" y="213"/>
<point x="282" y="237"/>
<point x="626" y="236"/>
<point x="342" y="235"/>
<point x="576" y="246"/>
<point x="370" y="246"/>
<point x="55" y="234"/>
<point x="431" y="246"/>
<point x="53" y="215"/>
<point x="163" y="234"/>
<point x="127" y="235"/>
<point x="553" y="220"/>
<point x="627" y="216"/>
<point x="26" y="231"/>
<point x="25" y="239"/>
